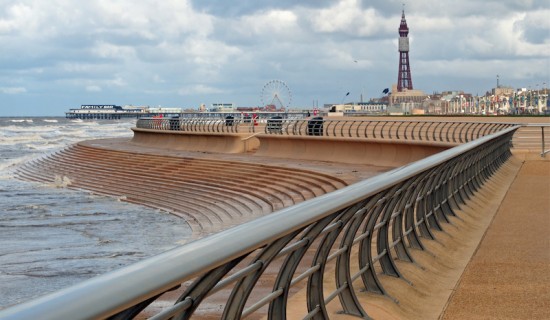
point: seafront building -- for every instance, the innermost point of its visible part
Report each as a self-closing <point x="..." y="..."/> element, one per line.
<point x="499" y="101"/>
<point x="511" y="101"/>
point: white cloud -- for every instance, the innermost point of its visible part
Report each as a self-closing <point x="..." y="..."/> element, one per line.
<point x="93" y="88"/>
<point x="151" y="20"/>
<point x="199" y="89"/>
<point x="158" y="79"/>
<point x="271" y="22"/>
<point x="117" y="81"/>
<point x="108" y="50"/>
<point x="348" y="16"/>
<point x="207" y="57"/>
<point x="12" y="90"/>
<point x="18" y="16"/>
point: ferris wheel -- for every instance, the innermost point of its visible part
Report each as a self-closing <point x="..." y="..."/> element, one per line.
<point x="276" y="93"/>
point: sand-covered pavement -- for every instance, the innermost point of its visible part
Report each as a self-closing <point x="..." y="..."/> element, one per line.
<point x="509" y="275"/>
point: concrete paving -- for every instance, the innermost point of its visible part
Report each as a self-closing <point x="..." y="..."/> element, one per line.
<point x="509" y="275"/>
<point x="492" y="262"/>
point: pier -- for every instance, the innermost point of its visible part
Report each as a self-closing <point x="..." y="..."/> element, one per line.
<point x="398" y="219"/>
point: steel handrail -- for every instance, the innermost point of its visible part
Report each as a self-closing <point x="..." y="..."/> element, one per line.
<point x="111" y="293"/>
<point x="204" y="125"/>
<point x="426" y="131"/>
<point x="543" y="151"/>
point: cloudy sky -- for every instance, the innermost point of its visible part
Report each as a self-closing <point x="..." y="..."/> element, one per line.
<point x="59" y="54"/>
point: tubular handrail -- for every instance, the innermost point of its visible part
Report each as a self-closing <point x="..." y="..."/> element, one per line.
<point x="543" y="150"/>
<point x="204" y="125"/>
<point x="420" y="130"/>
<point x="428" y="131"/>
<point x="387" y="211"/>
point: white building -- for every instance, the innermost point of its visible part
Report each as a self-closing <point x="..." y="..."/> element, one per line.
<point x="223" y="107"/>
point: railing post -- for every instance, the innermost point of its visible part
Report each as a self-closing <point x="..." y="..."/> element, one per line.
<point x="542" y="152"/>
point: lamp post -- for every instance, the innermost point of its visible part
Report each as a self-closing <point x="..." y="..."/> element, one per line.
<point x="545" y="102"/>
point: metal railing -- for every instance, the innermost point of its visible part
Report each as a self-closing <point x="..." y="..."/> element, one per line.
<point x="381" y="218"/>
<point x="206" y="125"/>
<point x="433" y="131"/>
<point x="533" y="136"/>
<point x="428" y="131"/>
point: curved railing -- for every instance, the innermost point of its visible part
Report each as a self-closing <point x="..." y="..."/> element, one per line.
<point x="207" y="125"/>
<point x="406" y="130"/>
<point x="381" y="218"/>
<point x="433" y="131"/>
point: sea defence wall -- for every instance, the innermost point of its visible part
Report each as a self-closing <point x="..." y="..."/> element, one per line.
<point x="209" y="192"/>
<point x="378" y="142"/>
<point x="347" y="150"/>
<point x="222" y="142"/>
<point x="379" y="152"/>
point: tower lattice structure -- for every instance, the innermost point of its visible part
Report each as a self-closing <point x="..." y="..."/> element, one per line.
<point x="404" y="78"/>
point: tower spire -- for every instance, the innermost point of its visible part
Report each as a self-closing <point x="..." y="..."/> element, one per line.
<point x="404" y="78"/>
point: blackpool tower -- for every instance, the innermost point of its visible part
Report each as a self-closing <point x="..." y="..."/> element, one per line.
<point x="404" y="78"/>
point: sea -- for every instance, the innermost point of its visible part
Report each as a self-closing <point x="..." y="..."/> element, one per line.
<point x="52" y="237"/>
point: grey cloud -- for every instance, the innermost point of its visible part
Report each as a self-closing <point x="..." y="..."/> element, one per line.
<point x="231" y="9"/>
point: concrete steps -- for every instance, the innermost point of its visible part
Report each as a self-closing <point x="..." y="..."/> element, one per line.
<point x="209" y="194"/>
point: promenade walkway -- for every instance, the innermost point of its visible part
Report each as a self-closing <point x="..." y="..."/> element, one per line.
<point x="491" y="262"/>
<point x="509" y="275"/>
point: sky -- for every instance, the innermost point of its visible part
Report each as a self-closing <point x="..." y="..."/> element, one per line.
<point x="60" y="54"/>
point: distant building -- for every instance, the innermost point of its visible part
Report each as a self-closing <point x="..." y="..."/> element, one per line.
<point x="503" y="91"/>
<point x="405" y="101"/>
<point x="356" y="108"/>
<point x="223" y="107"/>
<point x="164" y="110"/>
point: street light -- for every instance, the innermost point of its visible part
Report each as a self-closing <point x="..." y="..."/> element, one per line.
<point x="545" y="102"/>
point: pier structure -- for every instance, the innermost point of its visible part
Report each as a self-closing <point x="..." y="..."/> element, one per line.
<point x="113" y="112"/>
<point x="284" y="237"/>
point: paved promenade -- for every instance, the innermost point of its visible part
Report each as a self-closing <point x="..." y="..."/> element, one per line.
<point x="509" y="275"/>
<point x="493" y="258"/>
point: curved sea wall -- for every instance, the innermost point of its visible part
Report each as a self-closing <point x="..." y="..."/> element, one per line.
<point x="377" y="152"/>
<point x="222" y="142"/>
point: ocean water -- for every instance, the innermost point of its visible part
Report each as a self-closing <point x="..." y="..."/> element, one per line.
<point x="52" y="237"/>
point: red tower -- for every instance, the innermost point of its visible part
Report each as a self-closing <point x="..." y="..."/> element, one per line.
<point x="404" y="78"/>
